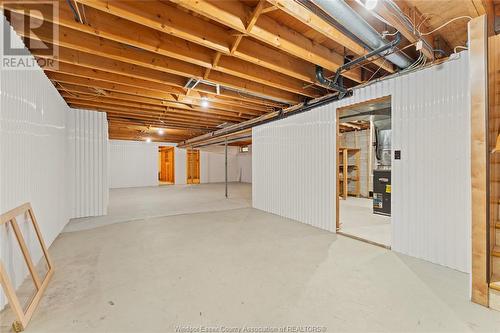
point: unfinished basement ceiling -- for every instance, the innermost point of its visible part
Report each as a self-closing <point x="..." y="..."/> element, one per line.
<point x="189" y="66"/>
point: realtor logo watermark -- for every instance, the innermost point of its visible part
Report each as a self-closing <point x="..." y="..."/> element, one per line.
<point x="36" y="22"/>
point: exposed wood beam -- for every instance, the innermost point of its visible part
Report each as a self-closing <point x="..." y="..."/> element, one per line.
<point x="269" y="8"/>
<point x="234" y="13"/>
<point x="154" y="122"/>
<point x="384" y="11"/>
<point x="152" y="119"/>
<point x="86" y="60"/>
<point x="315" y="22"/>
<point x="251" y="22"/>
<point x="478" y="74"/>
<point x="169" y="19"/>
<point x="83" y="72"/>
<point x="100" y="75"/>
<point x="148" y="108"/>
<point x="248" y="50"/>
<point x="124" y="124"/>
<point x="120" y="30"/>
<point x="138" y="91"/>
<point x="126" y="121"/>
<point x="77" y="40"/>
<point x="87" y="91"/>
<point x="165" y="116"/>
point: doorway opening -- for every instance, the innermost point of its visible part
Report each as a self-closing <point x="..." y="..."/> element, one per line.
<point x="166" y="166"/>
<point x="193" y="166"/>
<point x="364" y="152"/>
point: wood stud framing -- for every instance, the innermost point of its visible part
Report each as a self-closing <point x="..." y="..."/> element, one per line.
<point x="246" y="61"/>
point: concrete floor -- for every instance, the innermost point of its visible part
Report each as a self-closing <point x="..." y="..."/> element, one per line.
<point x="241" y="268"/>
<point x="137" y="203"/>
<point x="357" y="219"/>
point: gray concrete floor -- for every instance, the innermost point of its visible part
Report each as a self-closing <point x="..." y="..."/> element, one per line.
<point x="137" y="203"/>
<point x="357" y="219"/>
<point x="243" y="268"/>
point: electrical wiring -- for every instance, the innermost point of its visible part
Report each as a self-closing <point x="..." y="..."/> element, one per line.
<point x="445" y="24"/>
<point x="76" y="96"/>
<point x="383" y="63"/>
<point x="455" y="50"/>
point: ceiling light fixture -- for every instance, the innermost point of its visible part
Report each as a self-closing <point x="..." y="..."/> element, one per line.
<point x="369" y="4"/>
<point x="160" y="131"/>
<point x="204" y="102"/>
<point x="148" y="139"/>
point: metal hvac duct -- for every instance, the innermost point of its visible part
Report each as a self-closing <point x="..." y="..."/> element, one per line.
<point x="341" y="12"/>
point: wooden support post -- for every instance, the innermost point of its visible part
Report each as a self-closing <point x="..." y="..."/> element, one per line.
<point x="345" y="172"/>
<point x="479" y="157"/>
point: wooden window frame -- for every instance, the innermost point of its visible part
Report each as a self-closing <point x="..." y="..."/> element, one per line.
<point x="24" y="317"/>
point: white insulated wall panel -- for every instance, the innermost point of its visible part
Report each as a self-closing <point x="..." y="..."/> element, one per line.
<point x="294" y="165"/>
<point x="180" y="163"/>
<point x="135" y="163"/>
<point x="88" y="154"/>
<point x="432" y="197"/>
<point x="33" y="165"/>
<point x="212" y="164"/>
<point x="245" y="166"/>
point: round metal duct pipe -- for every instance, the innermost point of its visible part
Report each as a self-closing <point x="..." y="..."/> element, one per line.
<point x="341" y="12"/>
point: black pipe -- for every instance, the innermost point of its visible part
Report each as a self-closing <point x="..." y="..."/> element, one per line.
<point x="281" y="114"/>
<point x="75" y="13"/>
<point x="336" y="83"/>
<point x="326" y="82"/>
<point x="375" y="52"/>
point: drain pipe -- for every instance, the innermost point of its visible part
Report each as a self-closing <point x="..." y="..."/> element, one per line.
<point x="336" y="83"/>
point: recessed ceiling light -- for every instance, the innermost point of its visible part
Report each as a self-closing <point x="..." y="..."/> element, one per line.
<point x="204" y="102"/>
<point x="148" y="139"/>
<point x="161" y="131"/>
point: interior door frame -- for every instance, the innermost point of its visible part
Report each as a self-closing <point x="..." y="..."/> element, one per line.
<point x="337" y="144"/>
<point x="197" y="152"/>
<point x="168" y="149"/>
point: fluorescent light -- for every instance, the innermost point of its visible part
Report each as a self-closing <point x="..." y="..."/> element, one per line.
<point x="370" y="4"/>
<point x="204" y="102"/>
<point x="160" y="131"/>
<point x="148" y="139"/>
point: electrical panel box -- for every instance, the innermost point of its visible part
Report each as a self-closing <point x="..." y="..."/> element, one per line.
<point x="382" y="192"/>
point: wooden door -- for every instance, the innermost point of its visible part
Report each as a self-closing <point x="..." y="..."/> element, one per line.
<point x="193" y="166"/>
<point x="166" y="165"/>
<point x="161" y="166"/>
<point x="169" y="165"/>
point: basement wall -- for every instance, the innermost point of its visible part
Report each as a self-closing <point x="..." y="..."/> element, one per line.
<point x="88" y="162"/>
<point x="38" y="157"/>
<point x="33" y="165"/>
<point x="212" y="164"/>
<point x="294" y="163"/>
<point x="135" y="164"/>
<point x="245" y="166"/>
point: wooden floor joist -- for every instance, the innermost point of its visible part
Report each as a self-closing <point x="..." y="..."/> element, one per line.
<point x="245" y="58"/>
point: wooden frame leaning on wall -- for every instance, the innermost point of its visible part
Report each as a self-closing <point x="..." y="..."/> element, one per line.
<point x="9" y="219"/>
